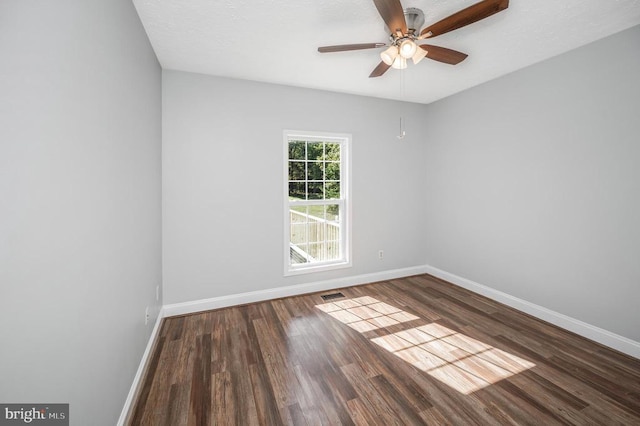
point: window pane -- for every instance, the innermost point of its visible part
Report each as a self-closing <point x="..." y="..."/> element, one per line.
<point x="317" y="251"/>
<point x="315" y="150"/>
<point x="315" y="230"/>
<point x="314" y="170"/>
<point x="332" y="233"/>
<point x="316" y="190"/>
<point x="332" y="190"/>
<point x="316" y="211"/>
<point x="333" y="171"/>
<point x="298" y="233"/>
<point x="333" y="249"/>
<point x="332" y="213"/>
<point x="297" y="150"/>
<point x="296" y="170"/>
<point x="297" y="190"/>
<point x="299" y="212"/>
<point x="332" y="151"/>
<point x="298" y="254"/>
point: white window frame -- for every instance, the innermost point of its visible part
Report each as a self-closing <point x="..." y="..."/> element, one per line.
<point x="344" y="139"/>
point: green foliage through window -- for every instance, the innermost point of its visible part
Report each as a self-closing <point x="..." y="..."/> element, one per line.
<point x="314" y="170"/>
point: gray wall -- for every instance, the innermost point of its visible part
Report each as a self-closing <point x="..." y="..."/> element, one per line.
<point x="80" y="212"/>
<point x="223" y="195"/>
<point x="533" y="184"/>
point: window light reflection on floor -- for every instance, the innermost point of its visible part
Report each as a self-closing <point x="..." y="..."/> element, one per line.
<point x="365" y="313"/>
<point x="455" y="359"/>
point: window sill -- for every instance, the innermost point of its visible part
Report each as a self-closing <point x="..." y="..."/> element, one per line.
<point x="316" y="268"/>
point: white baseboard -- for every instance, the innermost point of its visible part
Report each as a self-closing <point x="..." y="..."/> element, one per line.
<point x="294" y="290"/>
<point x="141" y="368"/>
<point x="612" y="340"/>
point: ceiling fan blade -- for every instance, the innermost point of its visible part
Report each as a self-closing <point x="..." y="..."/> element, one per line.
<point x="346" y="47"/>
<point x="442" y="54"/>
<point x="465" y="17"/>
<point x="379" y="70"/>
<point x="392" y="15"/>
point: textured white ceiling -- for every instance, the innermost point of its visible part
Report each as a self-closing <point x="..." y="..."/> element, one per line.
<point x="276" y="40"/>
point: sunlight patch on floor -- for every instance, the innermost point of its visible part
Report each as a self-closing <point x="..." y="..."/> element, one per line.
<point x="460" y="361"/>
<point x="366" y="313"/>
<point x="464" y="363"/>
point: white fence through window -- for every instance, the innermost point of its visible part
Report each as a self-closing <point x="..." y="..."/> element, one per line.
<point x="313" y="239"/>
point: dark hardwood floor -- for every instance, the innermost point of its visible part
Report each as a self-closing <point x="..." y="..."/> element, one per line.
<point x="415" y="350"/>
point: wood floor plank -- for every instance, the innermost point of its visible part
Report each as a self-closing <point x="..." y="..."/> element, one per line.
<point x="241" y="357"/>
<point x="408" y="351"/>
<point x="499" y="414"/>
<point x="200" y="397"/>
<point x="394" y="399"/>
<point x="175" y="409"/>
<point x="370" y="397"/>
<point x="360" y="414"/>
<point x="609" y="388"/>
<point x="266" y="405"/>
<point x="276" y="364"/>
<point x="541" y="412"/>
<point x="223" y="399"/>
<point x="310" y="399"/>
<point x="297" y="416"/>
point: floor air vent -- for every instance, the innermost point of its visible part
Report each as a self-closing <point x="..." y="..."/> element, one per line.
<point x="332" y="296"/>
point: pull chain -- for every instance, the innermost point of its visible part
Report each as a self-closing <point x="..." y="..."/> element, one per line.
<point x="403" y="133"/>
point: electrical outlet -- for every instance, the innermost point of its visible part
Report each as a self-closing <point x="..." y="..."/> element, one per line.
<point x="157" y="293"/>
<point x="380" y="254"/>
<point x="146" y="315"/>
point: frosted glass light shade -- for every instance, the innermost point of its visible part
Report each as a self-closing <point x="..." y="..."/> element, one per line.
<point x="419" y="55"/>
<point x="389" y="55"/>
<point x="408" y="49"/>
<point x="399" y="63"/>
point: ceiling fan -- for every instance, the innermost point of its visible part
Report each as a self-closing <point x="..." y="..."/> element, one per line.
<point x="404" y="27"/>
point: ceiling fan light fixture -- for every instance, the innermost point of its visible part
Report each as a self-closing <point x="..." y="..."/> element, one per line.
<point x="408" y="48"/>
<point x="389" y="55"/>
<point x="419" y="55"/>
<point x="399" y="63"/>
<point x="403" y="27"/>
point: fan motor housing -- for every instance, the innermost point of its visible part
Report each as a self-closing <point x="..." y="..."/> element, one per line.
<point x="414" y="18"/>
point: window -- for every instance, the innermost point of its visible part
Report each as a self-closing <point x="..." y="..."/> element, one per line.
<point x="317" y="207"/>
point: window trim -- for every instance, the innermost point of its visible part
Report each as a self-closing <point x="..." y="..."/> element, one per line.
<point x="345" y="140"/>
